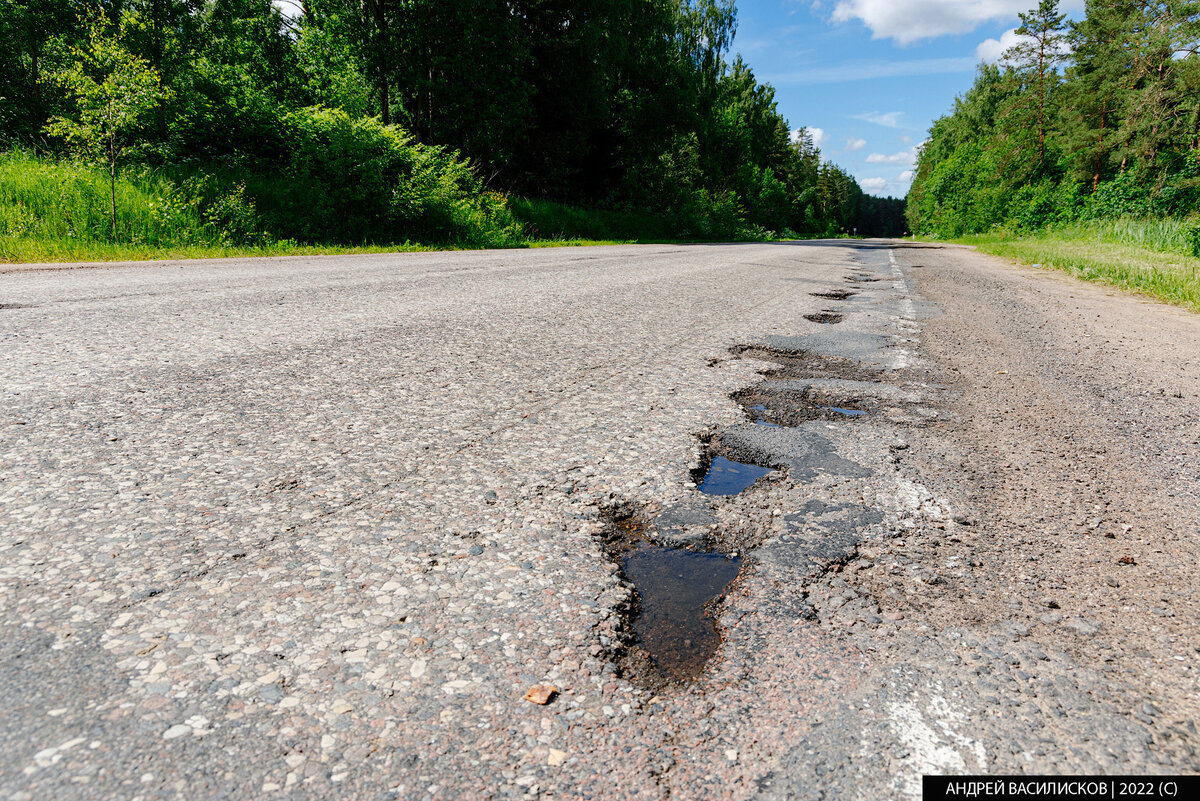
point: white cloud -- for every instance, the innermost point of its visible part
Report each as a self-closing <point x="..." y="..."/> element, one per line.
<point x="903" y="157"/>
<point x="855" y="144"/>
<point x="990" y="50"/>
<point x="888" y="119"/>
<point x="909" y="21"/>
<point x="818" y="135"/>
<point x="906" y="176"/>
<point x="873" y="184"/>
<point x="993" y="50"/>
<point x="871" y="70"/>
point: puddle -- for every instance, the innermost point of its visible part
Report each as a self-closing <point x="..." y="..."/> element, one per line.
<point x="834" y="294"/>
<point x="675" y="588"/>
<point x="727" y="477"/>
<point x="824" y="318"/>
<point x="761" y="416"/>
<point x="844" y="411"/>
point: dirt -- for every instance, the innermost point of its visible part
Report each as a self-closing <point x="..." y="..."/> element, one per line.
<point x="1078" y="454"/>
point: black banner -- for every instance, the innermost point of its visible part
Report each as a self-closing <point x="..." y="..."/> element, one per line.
<point x="1058" y="788"/>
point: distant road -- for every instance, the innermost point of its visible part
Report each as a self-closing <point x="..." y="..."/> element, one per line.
<point x="313" y="526"/>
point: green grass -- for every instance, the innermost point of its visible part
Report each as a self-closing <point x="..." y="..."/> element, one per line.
<point x="57" y="211"/>
<point x="1149" y="257"/>
<point x="27" y="250"/>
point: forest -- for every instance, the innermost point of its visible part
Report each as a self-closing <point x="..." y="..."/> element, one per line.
<point x="350" y="122"/>
<point x="1092" y="123"/>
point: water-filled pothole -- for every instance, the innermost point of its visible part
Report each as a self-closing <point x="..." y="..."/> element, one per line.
<point x="726" y="477"/>
<point x="834" y="294"/>
<point x="760" y="415"/>
<point x="824" y="318"/>
<point x="676" y="589"/>
<point x="669" y="629"/>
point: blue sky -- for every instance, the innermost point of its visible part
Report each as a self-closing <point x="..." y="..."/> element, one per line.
<point x="869" y="77"/>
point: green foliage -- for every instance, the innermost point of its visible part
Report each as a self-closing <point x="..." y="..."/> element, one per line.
<point x="548" y="220"/>
<point x="1116" y="135"/>
<point x="382" y="121"/>
<point x="1129" y="254"/>
<point x="112" y="90"/>
<point x="356" y="180"/>
<point x="42" y="199"/>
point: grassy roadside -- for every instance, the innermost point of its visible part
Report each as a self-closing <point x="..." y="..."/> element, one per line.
<point x="57" y="212"/>
<point x="17" y="251"/>
<point x="1102" y="255"/>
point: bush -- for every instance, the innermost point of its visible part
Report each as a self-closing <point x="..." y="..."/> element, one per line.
<point x="356" y="181"/>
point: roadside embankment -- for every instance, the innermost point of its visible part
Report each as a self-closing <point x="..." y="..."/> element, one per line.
<point x="1154" y="258"/>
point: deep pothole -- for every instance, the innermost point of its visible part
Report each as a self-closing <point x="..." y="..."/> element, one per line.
<point x="670" y="628"/>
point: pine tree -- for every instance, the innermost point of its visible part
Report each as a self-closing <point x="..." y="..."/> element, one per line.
<point x="1035" y="60"/>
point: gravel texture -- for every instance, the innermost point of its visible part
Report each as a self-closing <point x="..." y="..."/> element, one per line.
<point x="313" y="527"/>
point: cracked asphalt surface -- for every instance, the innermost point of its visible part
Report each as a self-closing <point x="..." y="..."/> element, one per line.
<point x="311" y="527"/>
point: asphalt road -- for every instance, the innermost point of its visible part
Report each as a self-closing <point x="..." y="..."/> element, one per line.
<point x="311" y="527"/>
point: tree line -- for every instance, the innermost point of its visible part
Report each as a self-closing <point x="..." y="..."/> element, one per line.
<point x="365" y="107"/>
<point x="1090" y="119"/>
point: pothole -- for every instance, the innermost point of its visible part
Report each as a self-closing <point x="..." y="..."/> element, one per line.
<point x="824" y="318"/>
<point x="670" y="627"/>
<point x="677" y="590"/>
<point x="8" y="306"/>
<point x="770" y="405"/>
<point x="806" y="364"/>
<point x="718" y="475"/>
<point x="834" y="294"/>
